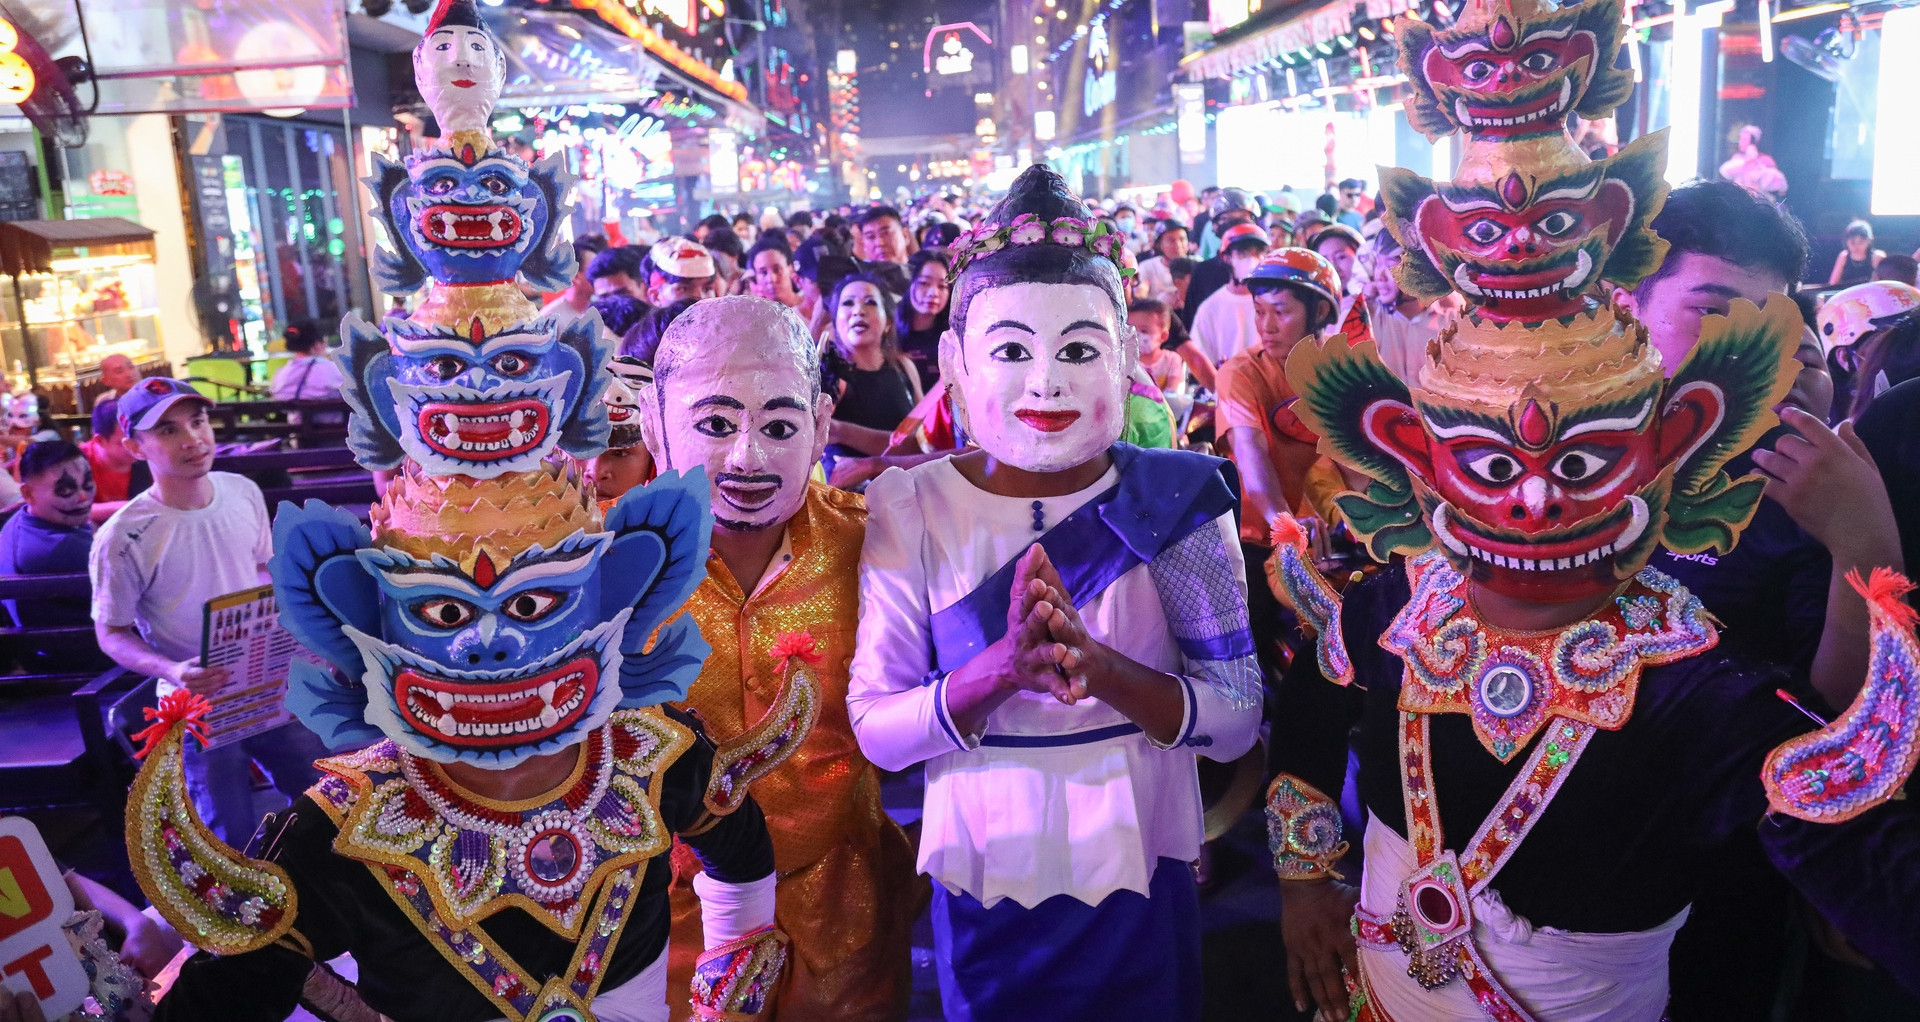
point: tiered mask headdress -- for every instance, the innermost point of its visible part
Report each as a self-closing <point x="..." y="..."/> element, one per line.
<point x="1543" y="446"/>
<point x="491" y="613"/>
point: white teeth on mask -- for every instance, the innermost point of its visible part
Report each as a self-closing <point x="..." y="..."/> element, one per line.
<point x="445" y="699"/>
<point x="446" y="725"/>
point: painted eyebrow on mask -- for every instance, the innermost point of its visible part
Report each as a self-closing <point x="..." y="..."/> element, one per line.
<point x="1084" y="324"/>
<point x="719" y="399"/>
<point x="785" y="402"/>
<point x="1014" y="323"/>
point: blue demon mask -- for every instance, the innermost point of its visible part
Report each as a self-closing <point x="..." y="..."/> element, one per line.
<point x="491" y="620"/>
<point x="466" y="217"/>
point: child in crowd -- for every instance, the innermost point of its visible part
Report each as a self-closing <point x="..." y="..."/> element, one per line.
<point x="50" y="535"/>
<point x="195" y="535"/>
<point x="1151" y="320"/>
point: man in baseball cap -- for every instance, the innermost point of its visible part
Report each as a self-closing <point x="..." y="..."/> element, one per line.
<point x="681" y="270"/>
<point x="143" y="406"/>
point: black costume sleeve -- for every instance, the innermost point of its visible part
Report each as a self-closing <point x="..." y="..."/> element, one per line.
<point x="736" y="849"/>
<point x="1863" y="875"/>
<point x="1890" y="427"/>
<point x="208" y="986"/>
<point x="1313" y="716"/>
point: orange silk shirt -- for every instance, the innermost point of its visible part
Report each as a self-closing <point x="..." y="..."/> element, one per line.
<point x="847" y="892"/>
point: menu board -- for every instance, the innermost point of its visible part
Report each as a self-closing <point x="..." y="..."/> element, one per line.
<point x="242" y="633"/>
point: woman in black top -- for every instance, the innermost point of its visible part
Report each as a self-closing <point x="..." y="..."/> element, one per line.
<point x="876" y="385"/>
<point x="922" y="318"/>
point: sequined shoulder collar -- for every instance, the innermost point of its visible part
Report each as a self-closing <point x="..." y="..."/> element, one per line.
<point x="474" y="856"/>
<point x="1513" y="683"/>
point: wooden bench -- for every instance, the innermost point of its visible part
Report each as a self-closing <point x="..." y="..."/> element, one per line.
<point x="305" y="423"/>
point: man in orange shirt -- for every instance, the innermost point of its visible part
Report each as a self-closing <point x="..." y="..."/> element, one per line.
<point x="1295" y="295"/>
<point x="736" y="390"/>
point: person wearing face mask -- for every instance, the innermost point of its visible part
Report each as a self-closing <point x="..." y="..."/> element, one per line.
<point x="877" y="384"/>
<point x="736" y="391"/>
<point x="1058" y="720"/>
<point x="1225" y="325"/>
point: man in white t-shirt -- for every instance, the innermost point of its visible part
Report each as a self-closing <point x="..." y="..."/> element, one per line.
<point x="1225" y="325"/>
<point x="196" y="534"/>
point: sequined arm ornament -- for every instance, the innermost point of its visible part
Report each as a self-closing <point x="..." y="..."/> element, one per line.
<point x="1866" y="755"/>
<point x="759" y="750"/>
<point x="218" y="899"/>
<point x="1303" y="830"/>
<point x="734" y="982"/>
<point x="1298" y="584"/>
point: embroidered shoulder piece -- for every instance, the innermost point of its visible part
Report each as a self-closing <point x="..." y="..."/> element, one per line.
<point x="759" y="750"/>
<point x="1512" y="683"/>
<point x="473" y="857"/>
<point x="218" y="899"/>
<point x="1303" y="830"/>
<point x="1866" y="755"/>
<point x="734" y="982"/>
<point x="1298" y="584"/>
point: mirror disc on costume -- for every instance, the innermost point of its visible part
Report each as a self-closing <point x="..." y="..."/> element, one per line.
<point x="564" y="1015"/>
<point x="1435" y="906"/>
<point x="552" y="857"/>
<point x="1505" y="691"/>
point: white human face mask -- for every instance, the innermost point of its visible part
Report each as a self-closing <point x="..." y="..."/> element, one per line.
<point x="744" y="406"/>
<point x="460" y="72"/>
<point x="1040" y="379"/>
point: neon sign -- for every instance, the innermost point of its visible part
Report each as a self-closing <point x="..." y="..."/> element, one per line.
<point x="955" y="58"/>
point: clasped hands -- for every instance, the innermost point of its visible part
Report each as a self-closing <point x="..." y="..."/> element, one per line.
<point x="1046" y="647"/>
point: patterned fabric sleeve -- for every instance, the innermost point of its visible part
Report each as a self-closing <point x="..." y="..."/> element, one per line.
<point x="1202" y="582"/>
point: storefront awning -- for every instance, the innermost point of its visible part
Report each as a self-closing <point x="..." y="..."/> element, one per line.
<point x="1315" y="24"/>
<point x="557" y="58"/>
<point x="30" y="246"/>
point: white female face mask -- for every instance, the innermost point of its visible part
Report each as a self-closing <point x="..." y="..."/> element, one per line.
<point x="460" y="72"/>
<point x="738" y="399"/>
<point x="1040" y="379"/>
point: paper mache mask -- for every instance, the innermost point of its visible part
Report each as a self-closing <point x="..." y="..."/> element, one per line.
<point x="473" y="382"/>
<point x="1541" y="445"/>
<point x="459" y="67"/>
<point x="486" y="621"/>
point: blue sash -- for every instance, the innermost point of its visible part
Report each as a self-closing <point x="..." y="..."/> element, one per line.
<point x="1161" y="498"/>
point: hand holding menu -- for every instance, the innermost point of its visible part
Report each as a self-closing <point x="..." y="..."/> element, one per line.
<point x="242" y="633"/>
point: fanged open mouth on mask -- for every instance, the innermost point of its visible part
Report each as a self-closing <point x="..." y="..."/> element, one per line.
<point x="461" y="425"/>
<point x="1577" y="546"/>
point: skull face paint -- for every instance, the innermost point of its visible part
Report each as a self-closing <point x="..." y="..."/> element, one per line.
<point x="736" y="390"/>
<point x="1040" y="379"/>
<point x="63" y="495"/>
<point x="460" y="71"/>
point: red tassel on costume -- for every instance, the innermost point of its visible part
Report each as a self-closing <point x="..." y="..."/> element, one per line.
<point x="1287" y="532"/>
<point x="1886" y="591"/>
<point x="797" y="644"/>
<point x="177" y="707"/>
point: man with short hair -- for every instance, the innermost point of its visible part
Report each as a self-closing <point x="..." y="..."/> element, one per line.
<point x="195" y="535"/>
<point x="118" y="375"/>
<point x="883" y="236"/>
<point x="1781" y="593"/>
<point x="618" y="269"/>
<point x="1156" y="271"/>
<point x="112" y="463"/>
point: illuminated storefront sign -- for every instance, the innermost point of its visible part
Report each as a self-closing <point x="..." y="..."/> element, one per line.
<point x="955" y="58"/>
<point x="1102" y="83"/>
<point x="1190" y="106"/>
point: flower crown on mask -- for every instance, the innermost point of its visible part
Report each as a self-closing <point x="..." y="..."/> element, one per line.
<point x="1096" y="236"/>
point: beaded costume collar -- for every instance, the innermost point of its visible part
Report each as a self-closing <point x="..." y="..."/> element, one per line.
<point x="473" y="856"/>
<point x="1513" y="683"/>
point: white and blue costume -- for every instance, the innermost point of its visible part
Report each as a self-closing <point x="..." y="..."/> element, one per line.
<point x="1059" y="837"/>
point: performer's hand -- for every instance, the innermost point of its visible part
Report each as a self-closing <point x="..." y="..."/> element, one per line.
<point x="19" y="1007"/>
<point x="1316" y="925"/>
<point x="1073" y="645"/>
<point x="1829" y="485"/>
<point x="201" y="681"/>
<point x="1036" y="656"/>
<point x="150" y="947"/>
